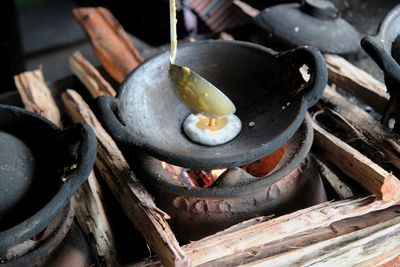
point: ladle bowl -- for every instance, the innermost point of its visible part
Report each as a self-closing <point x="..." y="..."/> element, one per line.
<point x="268" y="89"/>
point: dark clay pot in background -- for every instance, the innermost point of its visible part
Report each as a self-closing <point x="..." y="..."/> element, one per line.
<point x="384" y="49"/>
<point x="41" y="166"/>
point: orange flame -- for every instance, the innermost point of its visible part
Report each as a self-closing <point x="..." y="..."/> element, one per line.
<point x="217" y="172"/>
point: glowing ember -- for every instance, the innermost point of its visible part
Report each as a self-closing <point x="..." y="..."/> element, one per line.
<point x="192" y="177"/>
<point x="217" y="172"/>
<point x="205" y="179"/>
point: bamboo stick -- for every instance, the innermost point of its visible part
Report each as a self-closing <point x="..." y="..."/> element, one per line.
<point x="90" y="76"/>
<point x="89" y="208"/>
<point x="111" y="43"/>
<point x="357" y="82"/>
<point x="36" y="96"/>
<point x="137" y="204"/>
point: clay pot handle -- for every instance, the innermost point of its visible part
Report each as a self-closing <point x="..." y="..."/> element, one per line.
<point x="385" y="61"/>
<point x="81" y="140"/>
<point x="110" y="116"/>
<point x="314" y="88"/>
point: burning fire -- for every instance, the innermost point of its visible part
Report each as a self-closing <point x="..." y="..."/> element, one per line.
<point x="205" y="179"/>
<point x="193" y="177"/>
<point x="217" y="172"/>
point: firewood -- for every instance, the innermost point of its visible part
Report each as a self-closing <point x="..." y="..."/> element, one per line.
<point x="111" y="43"/>
<point x="90" y="76"/>
<point x="288" y="245"/>
<point x="297" y="224"/>
<point x="347" y="250"/>
<point x="357" y="82"/>
<point x="89" y="208"/>
<point x="136" y="202"/>
<point x="225" y="36"/>
<point x="371" y="176"/>
<point x="370" y="130"/>
<point x="247" y="9"/>
<point x="36" y="96"/>
<point x="341" y="188"/>
<point x="92" y="218"/>
<point x="389" y="259"/>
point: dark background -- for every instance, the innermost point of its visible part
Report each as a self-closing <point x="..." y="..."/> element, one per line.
<point x="43" y="33"/>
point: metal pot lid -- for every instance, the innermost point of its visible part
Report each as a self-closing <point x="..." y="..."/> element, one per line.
<point x="17" y="170"/>
<point x="314" y="22"/>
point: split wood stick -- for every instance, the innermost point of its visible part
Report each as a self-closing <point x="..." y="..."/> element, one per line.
<point x="89" y="207"/>
<point x="136" y="202"/>
<point x="371" y="176"/>
<point x="36" y="96"/>
<point x="371" y="131"/>
<point x="92" y="218"/>
<point x="350" y="249"/>
<point x="247" y="9"/>
<point x="389" y="259"/>
<point x="317" y="235"/>
<point x="298" y="223"/>
<point x="90" y="76"/>
<point x="111" y="43"/>
<point x="357" y="82"/>
<point x="341" y="188"/>
<point x="225" y="36"/>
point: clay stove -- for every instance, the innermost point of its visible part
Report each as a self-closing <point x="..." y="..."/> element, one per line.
<point x="268" y="89"/>
<point x="236" y="195"/>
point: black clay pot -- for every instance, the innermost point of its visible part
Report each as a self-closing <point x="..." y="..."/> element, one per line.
<point x="313" y="22"/>
<point x="384" y="49"/>
<point x="41" y="166"/>
<point x="197" y="212"/>
<point x="266" y="87"/>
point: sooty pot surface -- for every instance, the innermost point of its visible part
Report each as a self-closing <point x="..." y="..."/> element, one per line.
<point x="266" y="87"/>
<point x="41" y="167"/>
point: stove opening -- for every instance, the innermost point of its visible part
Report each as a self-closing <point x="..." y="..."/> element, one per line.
<point x="207" y="178"/>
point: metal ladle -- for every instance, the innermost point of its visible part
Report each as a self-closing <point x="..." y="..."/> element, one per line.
<point x="198" y="95"/>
